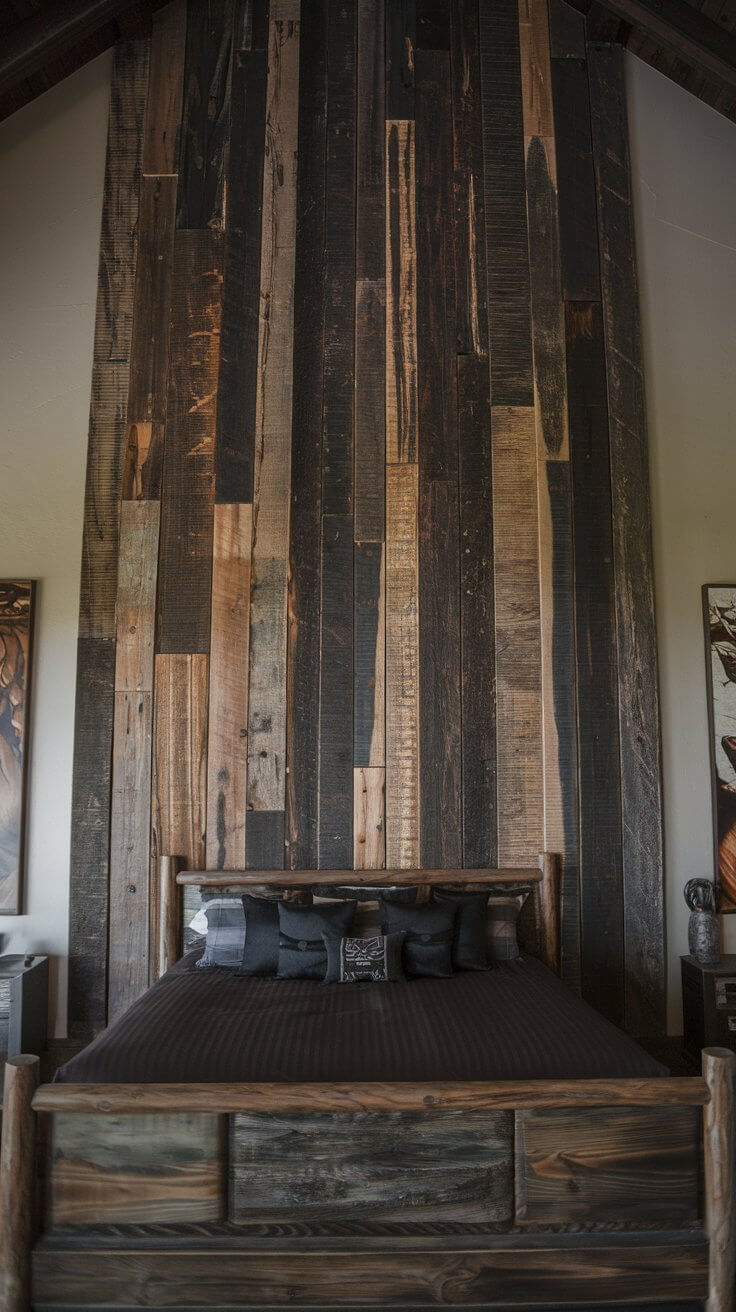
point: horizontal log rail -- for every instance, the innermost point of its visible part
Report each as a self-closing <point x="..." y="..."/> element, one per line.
<point x="357" y="878"/>
<point x="500" y="1095"/>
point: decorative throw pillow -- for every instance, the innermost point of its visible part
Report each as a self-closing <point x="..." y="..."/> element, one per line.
<point x="429" y="933"/>
<point x="302" y="951"/>
<point x="469" y="938"/>
<point x="260" y="955"/>
<point x="377" y="959"/>
<point x="501" y="917"/>
<point x="225" y="932"/>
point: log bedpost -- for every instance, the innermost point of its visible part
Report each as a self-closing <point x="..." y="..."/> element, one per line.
<point x="549" y="907"/>
<point x="719" y="1073"/>
<point x="17" y="1177"/>
<point x="169" y="913"/>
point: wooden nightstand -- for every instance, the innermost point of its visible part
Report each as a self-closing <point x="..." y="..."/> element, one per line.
<point x="24" y="1001"/>
<point x="709" y="1004"/>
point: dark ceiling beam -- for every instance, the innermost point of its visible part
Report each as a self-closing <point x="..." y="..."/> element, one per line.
<point x="43" y="36"/>
<point x="679" y="27"/>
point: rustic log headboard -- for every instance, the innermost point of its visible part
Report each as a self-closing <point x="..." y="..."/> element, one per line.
<point x="544" y="879"/>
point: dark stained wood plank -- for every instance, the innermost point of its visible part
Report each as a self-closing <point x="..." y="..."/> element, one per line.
<point x="237" y="383"/>
<point x="185" y="565"/>
<point x="339" y="350"/>
<point x="369" y="655"/>
<point x="370" y="408"/>
<point x="632" y="1165"/>
<point x="130" y="828"/>
<point x="566" y="31"/>
<point x="369" y="817"/>
<point x="227" y="743"/>
<point x="602" y="960"/>
<point x="336" y="695"/>
<point x="205" y="115"/>
<point x="105" y="457"/>
<point x="509" y="309"/>
<point x="469" y="200"/>
<point x="400" y="50"/>
<point x="433" y="24"/>
<point x="149" y="352"/>
<point x="264" y="840"/>
<point x="576" y="184"/>
<point x="477" y="616"/>
<point x="369" y="142"/>
<point x="143" y="460"/>
<point x="638" y="699"/>
<point x="402" y="666"/>
<point x="165" y="88"/>
<point x="401" y="294"/>
<point x="89" y="864"/>
<point x="302" y="721"/>
<point x="548" y="329"/>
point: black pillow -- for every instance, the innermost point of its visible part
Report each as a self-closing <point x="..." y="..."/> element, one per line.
<point x="377" y="959"/>
<point x="261" y="947"/>
<point x="469" y="939"/>
<point x="302" y="952"/>
<point x="429" y="933"/>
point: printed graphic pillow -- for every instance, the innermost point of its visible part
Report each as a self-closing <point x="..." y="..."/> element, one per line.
<point x="376" y="959"/>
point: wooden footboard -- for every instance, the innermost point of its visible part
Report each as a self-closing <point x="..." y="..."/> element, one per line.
<point x="577" y="1193"/>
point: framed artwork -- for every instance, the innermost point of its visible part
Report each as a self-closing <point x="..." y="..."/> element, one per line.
<point x="719" y="609"/>
<point x="16" y="634"/>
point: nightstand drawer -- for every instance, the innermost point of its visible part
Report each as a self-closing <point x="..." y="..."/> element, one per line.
<point x="726" y="992"/>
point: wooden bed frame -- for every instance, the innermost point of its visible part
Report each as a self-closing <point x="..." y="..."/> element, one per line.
<point x="532" y="1193"/>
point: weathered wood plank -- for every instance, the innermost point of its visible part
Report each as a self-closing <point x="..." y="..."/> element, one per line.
<point x="400" y="48"/>
<point x="149" y="351"/>
<point x="536" y="78"/>
<point x="369" y="827"/>
<point x="433" y="24"/>
<point x="469" y="200"/>
<point x="105" y="457"/>
<point x="596" y="666"/>
<point x="89" y="863"/>
<point x="305" y="561"/>
<point x="402" y="666"/>
<point x="205" y="115"/>
<point x="272" y="474"/>
<point x="509" y="309"/>
<point x="130" y="829"/>
<point x="630" y="1165"/>
<point x="638" y="691"/>
<point x="566" y="31"/>
<point x="374" y="1165"/>
<point x="370" y="409"/>
<point x="576" y="185"/>
<point x="143" y="460"/>
<point x="401" y="294"/>
<point x="179" y="801"/>
<point x="134" y="1169"/>
<point x="188" y="494"/>
<point x="136" y="596"/>
<point x="165" y="88"/>
<point x="370" y="142"/>
<point x="227" y="745"/>
<point x="463" y="877"/>
<point x="237" y="383"/>
<point x="336" y="695"/>
<point x="478" y="686"/>
<point x="369" y="693"/>
<point x="265" y="840"/>
<point x="518" y="640"/>
<point x="548" y="324"/>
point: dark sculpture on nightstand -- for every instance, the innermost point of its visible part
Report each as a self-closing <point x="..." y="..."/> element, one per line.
<point x="703" y="934"/>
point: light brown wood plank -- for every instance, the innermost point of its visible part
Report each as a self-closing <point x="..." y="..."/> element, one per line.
<point x="369" y="828"/>
<point x="401" y="293"/>
<point x="402" y="666"/>
<point x="536" y="74"/>
<point x="135" y="614"/>
<point x="227" y="747"/>
<point x="128" y="942"/>
<point x="143" y="461"/>
<point x="107" y="437"/>
<point x="272" y="471"/>
<point x="518" y="638"/>
<point x="149" y="348"/>
<point x="165" y="88"/>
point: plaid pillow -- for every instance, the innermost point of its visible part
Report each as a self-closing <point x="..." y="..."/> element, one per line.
<point x="502" y="914"/>
<point x="225" y="932"/>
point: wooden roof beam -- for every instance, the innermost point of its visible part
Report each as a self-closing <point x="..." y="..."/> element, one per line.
<point x="31" y="44"/>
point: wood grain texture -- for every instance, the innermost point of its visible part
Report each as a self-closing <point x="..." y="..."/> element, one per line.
<point x="369" y="655"/>
<point x="227" y="745"/>
<point x="136" y="596"/>
<point x="638" y="690"/>
<point x="518" y="642"/>
<point x="372" y="1164"/>
<point x="265" y="840"/>
<point x="400" y="48"/>
<point x="105" y="453"/>
<point x="180" y="758"/>
<point x="369" y="824"/>
<point x="130" y="831"/>
<point x="336" y="694"/>
<point x="17" y="1180"/>
<point x="566" y="31"/>
<point x="185" y="566"/>
<point x="205" y="115"/>
<point x="149" y="351"/>
<point x="370" y="409"/>
<point x="370" y="142"/>
<point x="402" y="666"/>
<point x="469" y="200"/>
<point x="272" y="475"/>
<point x="401" y="293"/>
<point x="536" y="78"/>
<point x="596" y="665"/>
<point x="143" y="460"/>
<point x="463" y="877"/>
<point x="632" y="1165"/>
<point x="165" y="88"/>
<point x="719" y="1072"/>
<point x="576" y="184"/>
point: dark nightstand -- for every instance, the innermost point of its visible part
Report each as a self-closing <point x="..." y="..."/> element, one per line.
<point x="24" y="1001"/>
<point x="709" y="1004"/>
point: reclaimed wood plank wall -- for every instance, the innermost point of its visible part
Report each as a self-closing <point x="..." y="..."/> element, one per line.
<point x="367" y="566"/>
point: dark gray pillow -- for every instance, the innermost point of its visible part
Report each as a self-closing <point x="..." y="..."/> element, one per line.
<point x="302" y="951"/>
<point x="260" y="955"/>
<point x="429" y="933"/>
<point x="377" y="959"/>
<point x="469" y="938"/>
<point x="225" y="932"/>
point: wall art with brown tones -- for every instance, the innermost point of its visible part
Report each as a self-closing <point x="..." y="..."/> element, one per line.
<point x="367" y="572"/>
<point x="719" y="607"/>
<point x="16" y="633"/>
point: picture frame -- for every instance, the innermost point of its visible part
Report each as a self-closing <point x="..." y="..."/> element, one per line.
<point x="17" y="606"/>
<point x="719" y="617"/>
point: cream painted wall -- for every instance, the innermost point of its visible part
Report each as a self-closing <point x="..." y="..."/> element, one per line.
<point x="52" y="161"/>
<point x="684" y="171"/>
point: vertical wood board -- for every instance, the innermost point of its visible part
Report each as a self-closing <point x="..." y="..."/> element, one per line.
<point x="370" y="655"/>
<point x="401" y="293"/>
<point x="369" y="830"/>
<point x="402" y="666"/>
<point x="129" y="851"/>
<point x="165" y="89"/>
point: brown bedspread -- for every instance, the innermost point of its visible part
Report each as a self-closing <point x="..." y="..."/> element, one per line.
<point x="516" y="1021"/>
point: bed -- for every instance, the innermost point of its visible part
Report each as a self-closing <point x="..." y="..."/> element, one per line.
<point x="485" y="1141"/>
